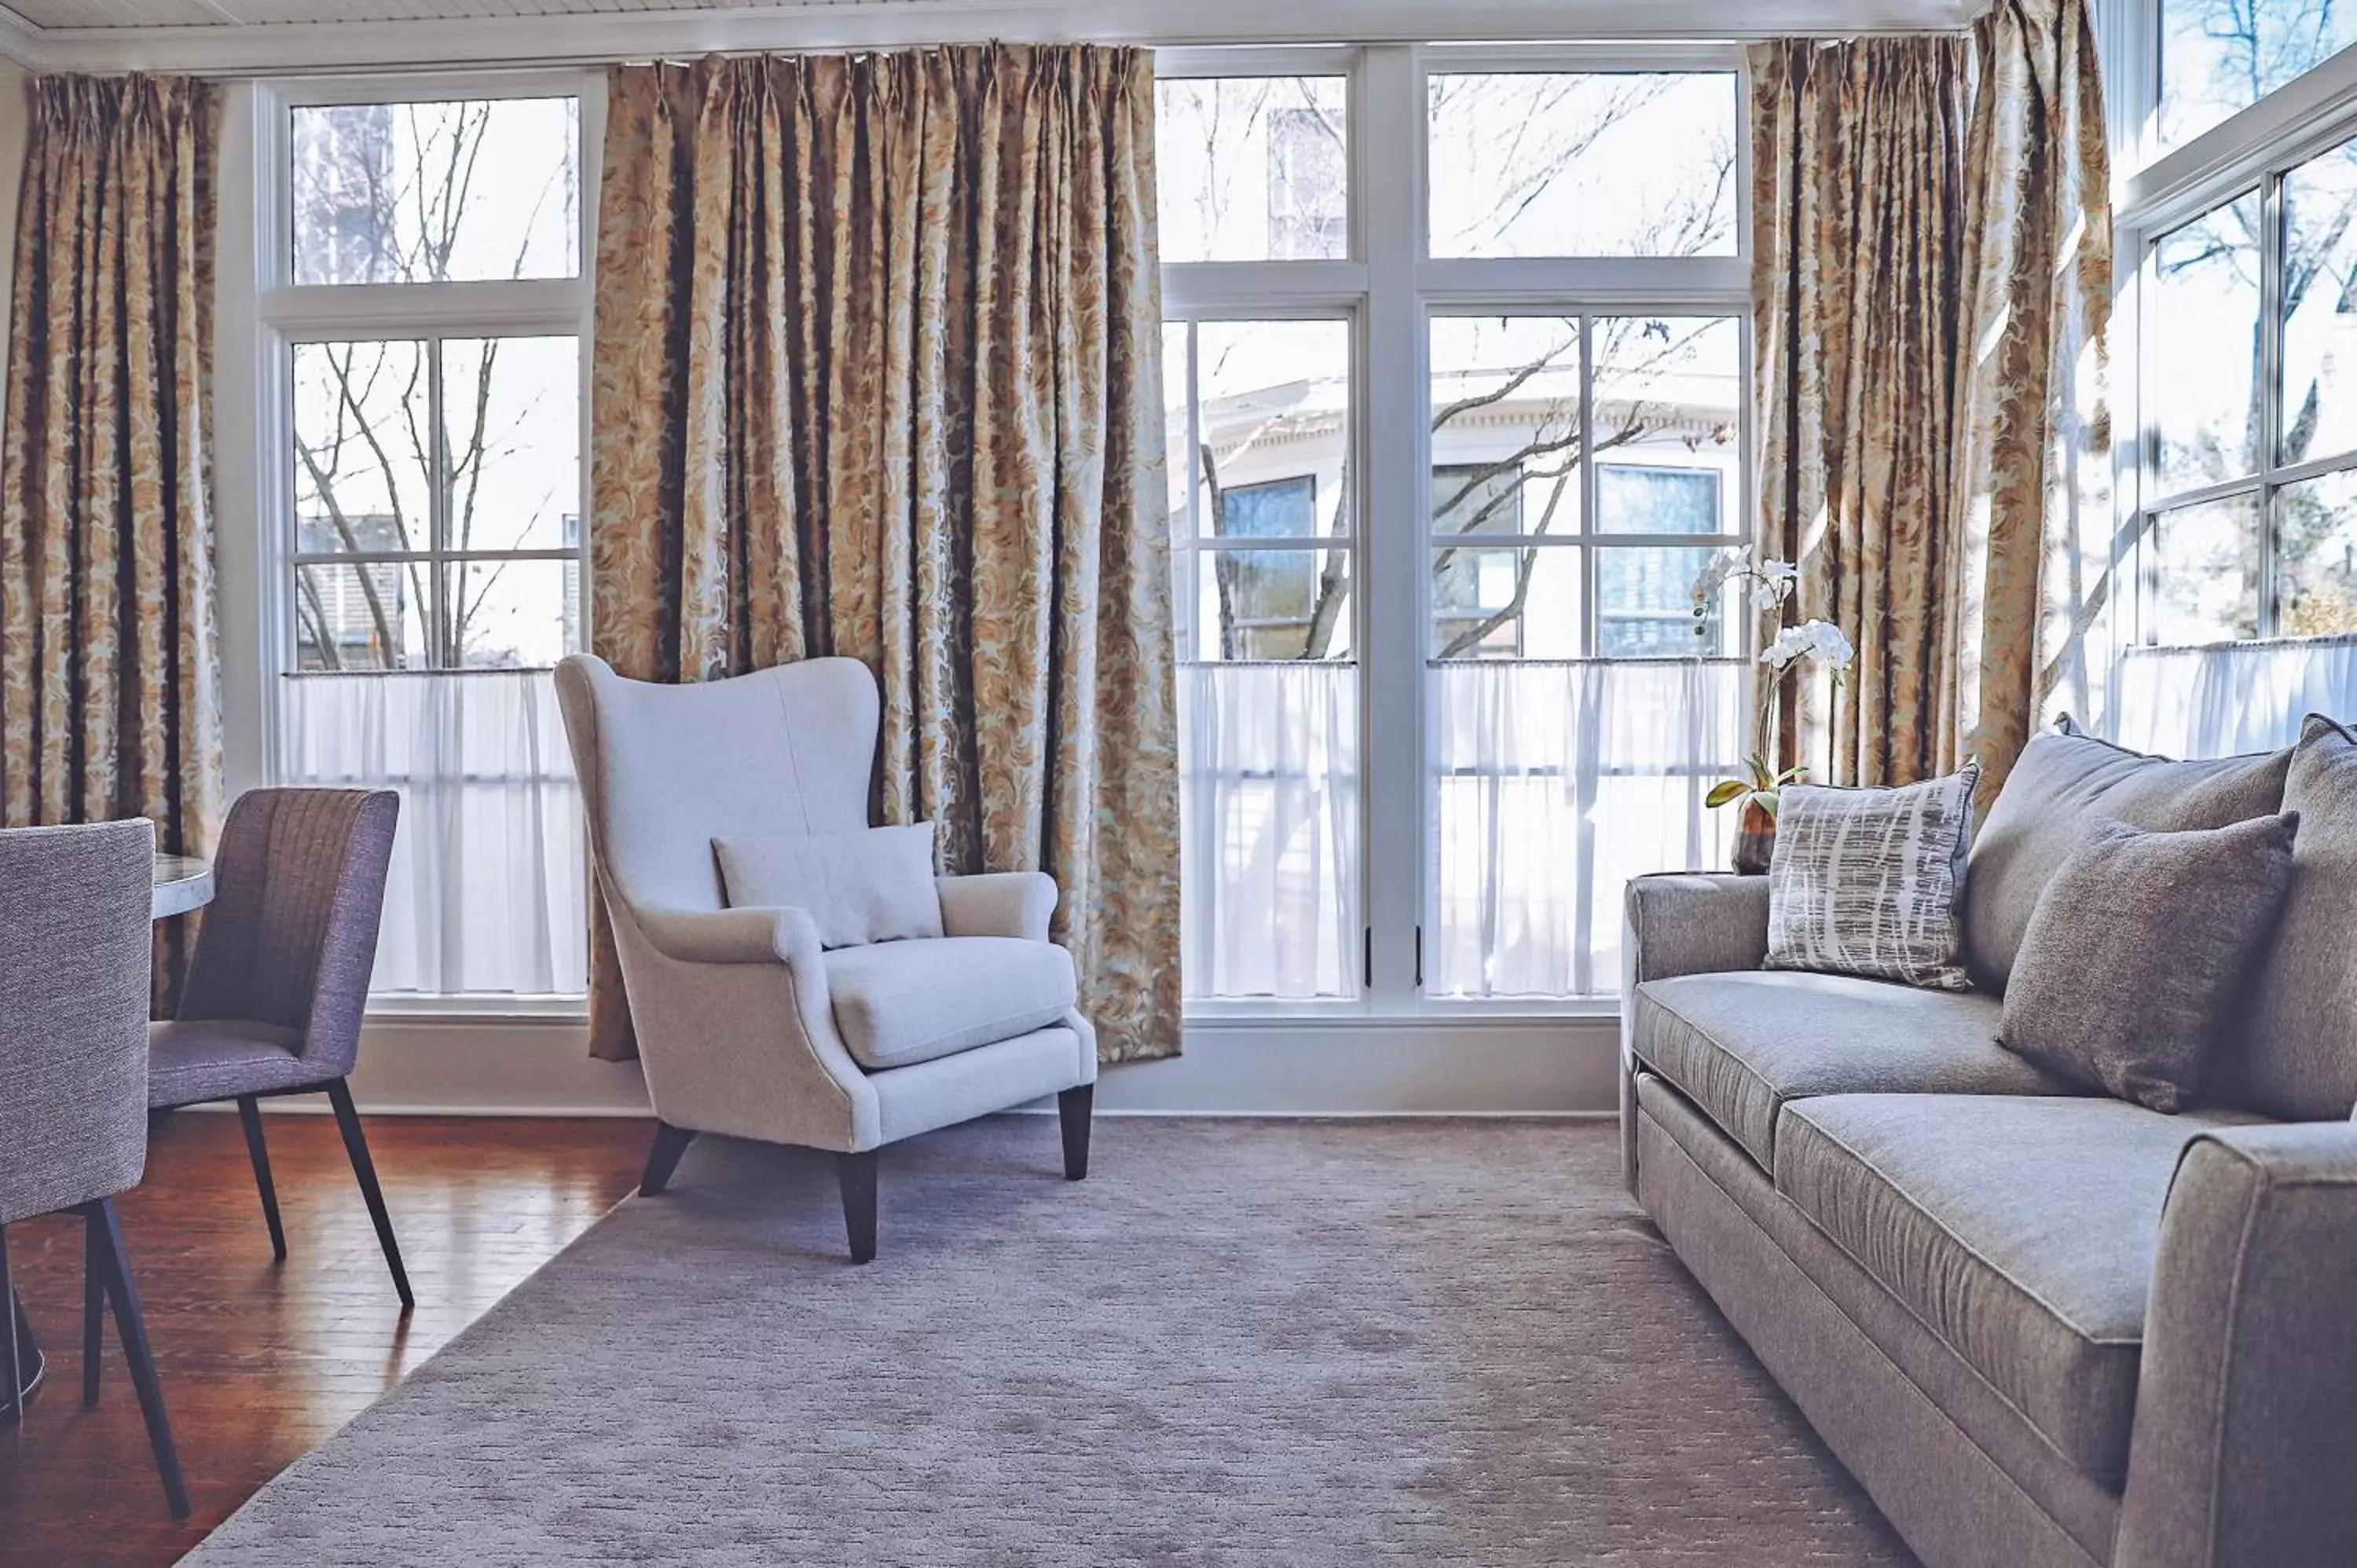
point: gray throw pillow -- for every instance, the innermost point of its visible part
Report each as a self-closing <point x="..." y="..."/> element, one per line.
<point x="2061" y="784"/>
<point x="1864" y="882"/>
<point x="2134" y="958"/>
<point x="871" y="884"/>
<point x="2298" y="1057"/>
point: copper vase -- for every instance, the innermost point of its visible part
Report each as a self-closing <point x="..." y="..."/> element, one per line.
<point x="1755" y="840"/>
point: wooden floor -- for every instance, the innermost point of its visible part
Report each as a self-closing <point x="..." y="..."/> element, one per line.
<point x="260" y="1361"/>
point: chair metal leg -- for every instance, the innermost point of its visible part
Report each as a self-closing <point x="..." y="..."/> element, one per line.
<point x="249" y="1112"/>
<point x="12" y="1379"/>
<point x="340" y="1095"/>
<point x="131" y="1328"/>
<point x="1072" y="1109"/>
<point x="93" y="1312"/>
<point x="857" y="1174"/>
<point x="663" y="1158"/>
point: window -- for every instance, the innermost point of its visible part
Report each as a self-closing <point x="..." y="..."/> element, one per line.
<point x="1442" y="477"/>
<point x="426" y="307"/>
<point x="2250" y="421"/>
<point x="2220" y="56"/>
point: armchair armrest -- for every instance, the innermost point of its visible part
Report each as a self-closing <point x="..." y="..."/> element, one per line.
<point x="2245" y="1449"/>
<point x="732" y="936"/>
<point x="998" y="904"/>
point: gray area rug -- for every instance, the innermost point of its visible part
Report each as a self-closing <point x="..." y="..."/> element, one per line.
<point x="1238" y="1342"/>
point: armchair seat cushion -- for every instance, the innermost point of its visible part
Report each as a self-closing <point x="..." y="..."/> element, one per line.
<point x="192" y="1060"/>
<point x="899" y="1003"/>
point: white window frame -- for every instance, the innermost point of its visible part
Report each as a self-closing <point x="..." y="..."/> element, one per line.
<point x="2153" y="193"/>
<point x="260" y="314"/>
<point x="1390" y="287"/>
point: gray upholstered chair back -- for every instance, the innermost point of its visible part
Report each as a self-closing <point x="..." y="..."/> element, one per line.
<point x="290" y="936"/>
<point x="666" y="770"/>
<point x="75" y="960"/>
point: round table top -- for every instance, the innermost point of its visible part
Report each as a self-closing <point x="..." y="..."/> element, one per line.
<point x="182" y="883"/>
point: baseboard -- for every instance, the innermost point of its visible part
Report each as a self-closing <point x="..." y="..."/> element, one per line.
<point x="1552" y="1067"/>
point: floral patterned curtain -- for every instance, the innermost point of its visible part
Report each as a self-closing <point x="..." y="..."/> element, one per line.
<point x="1931" y="236"/>
<point x="876" y="373"/>
<point x="108" y="685"/>
<point x="1856" y="207"/>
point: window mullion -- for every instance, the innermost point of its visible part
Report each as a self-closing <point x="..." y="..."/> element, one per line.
<point x="437" y="497"/>
<point x="2270" y="390"/>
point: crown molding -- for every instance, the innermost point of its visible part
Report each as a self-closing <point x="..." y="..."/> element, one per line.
<point x="291" y="49"/>
<point x="21" y="42"/>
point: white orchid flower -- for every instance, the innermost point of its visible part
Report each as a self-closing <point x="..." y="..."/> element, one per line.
<point x="1818" y="639"/>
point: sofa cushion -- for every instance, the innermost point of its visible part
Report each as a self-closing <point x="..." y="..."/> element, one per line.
<point x="2060" y="783"/>
<point x="2020" y="1230"/>
<point x="2297" y="1059"/>
<point x="1863" y="882"/>
<point x="897" y="1003"/>
<point x="1739" y="1045"/>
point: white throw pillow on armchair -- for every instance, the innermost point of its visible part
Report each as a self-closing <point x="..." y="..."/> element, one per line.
<point x="872" y="886"/>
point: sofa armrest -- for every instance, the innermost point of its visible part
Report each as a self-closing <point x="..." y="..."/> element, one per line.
<point x="998" y="904"/>
<point x="1674" y="923"/>
<point x="1693" y="922"/>
<point x="2245" y="1449"/>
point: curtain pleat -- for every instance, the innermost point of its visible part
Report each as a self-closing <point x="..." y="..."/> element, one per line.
<point x="878" y="374"/>
<point x="109" y="680"/>
<point x="1933" y="259"/>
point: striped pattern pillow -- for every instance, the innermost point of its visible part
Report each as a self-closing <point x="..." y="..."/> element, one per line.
<point x="1871" y="882"/>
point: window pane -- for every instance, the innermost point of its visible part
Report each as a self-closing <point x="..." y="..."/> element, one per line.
<point x="1274" y="409"/>
<point x="364" y="454"/>
<point x="1668" y="424"/>
<point x="1619" y="164"/>
<point x="1490" y="603"/>
<point x="512" y="615"/>
<point x="2316" y="522"/>
<point x="2221" y="56"/>
<point x="1506" y="425"/>
<point x="1644" y="604"/>
<point x="511" y="424"/>
<point x="1254" y="168"/>
<point x="2205" y="581"/>
<point x="361" y="617"/>
<point x="1273" y="603"/>
<point x="2200" y="350"/>
<point x="2320" y="304"/>
<point x="455" y="192"/>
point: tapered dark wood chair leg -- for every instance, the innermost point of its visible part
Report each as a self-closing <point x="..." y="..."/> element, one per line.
<point x="1074" y="1107"/>
<point x="340" y="1095"/>
<point x="857" y="1174"/>
<point x="131" y="1328"/>
<point x="11" y="1374"/>
<point x="249" y="1112"/>
<point x="663" y="1158"/>
<point x="93" y="1312"/>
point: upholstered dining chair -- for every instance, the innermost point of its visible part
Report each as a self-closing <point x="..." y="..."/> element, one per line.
<point x="747" y="1025"/>
<point x="274" y="994"/>
<point x="74" y="965"/>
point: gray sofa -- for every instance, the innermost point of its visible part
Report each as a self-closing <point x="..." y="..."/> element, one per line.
<point x="2040" y="1327"/>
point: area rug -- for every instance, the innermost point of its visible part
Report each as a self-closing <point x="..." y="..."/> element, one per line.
<point x="1237" y="1342"/>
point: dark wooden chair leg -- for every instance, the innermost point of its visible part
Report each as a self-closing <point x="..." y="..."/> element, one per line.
<point x="663" y="1158"/>
<point x="93" y="1312"/>
<point x="857" y="1174"/>
<point x="12" y="1378"/>
<point x="1072" y="1109"/>
<point x="340" y="1095"/>
<point x="131" y="1328"/>
<point x="249" y="1112"/>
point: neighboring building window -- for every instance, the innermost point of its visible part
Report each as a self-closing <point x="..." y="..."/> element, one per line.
<point x="428" y="319"/>
<point x="1309" y="208"/>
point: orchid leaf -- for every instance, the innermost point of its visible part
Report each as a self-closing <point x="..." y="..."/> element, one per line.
<point x="1723" y="792"/>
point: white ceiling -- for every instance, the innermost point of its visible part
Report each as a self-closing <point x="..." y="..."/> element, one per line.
<point x="270" y="37"/>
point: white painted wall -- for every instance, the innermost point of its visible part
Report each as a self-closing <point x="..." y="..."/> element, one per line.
<point x="14" y="130"/>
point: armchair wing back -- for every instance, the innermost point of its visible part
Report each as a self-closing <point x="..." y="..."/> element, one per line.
<point x="290" y="936"/>
<point x="75" y="948"/>
<point x="666" y="770"/>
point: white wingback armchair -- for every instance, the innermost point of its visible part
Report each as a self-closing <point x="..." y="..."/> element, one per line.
<point x="747" y="1026"/>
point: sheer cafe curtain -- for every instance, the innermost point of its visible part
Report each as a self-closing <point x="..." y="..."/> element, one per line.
<point x="487" y="885"/>
<point x="2230" y="697"/>
<point x="1554" y="784"/>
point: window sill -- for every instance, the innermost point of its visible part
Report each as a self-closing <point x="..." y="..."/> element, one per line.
<point x="477" y="1009"/>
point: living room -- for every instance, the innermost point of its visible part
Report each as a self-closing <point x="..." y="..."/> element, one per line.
<point x="1010" y="781"/>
